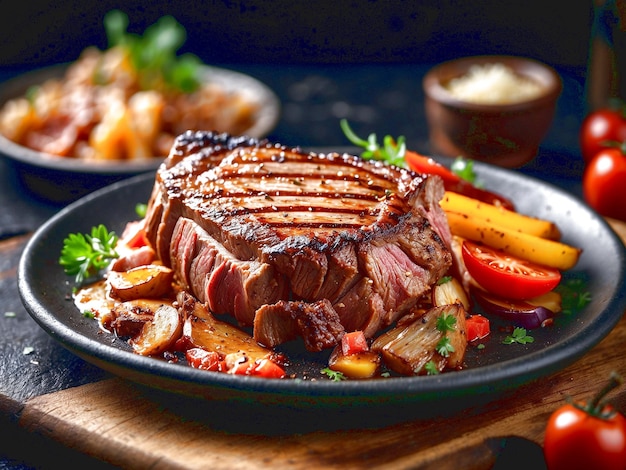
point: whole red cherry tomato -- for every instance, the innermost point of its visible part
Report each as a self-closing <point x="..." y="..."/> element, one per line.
<point x="587" y="436"/>
<point x="604" y="183"/>
<point x="600" y="129"/>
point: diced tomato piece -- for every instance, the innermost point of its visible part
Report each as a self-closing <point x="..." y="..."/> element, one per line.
<point x="241" y="368"/>
<point x="134" y="235"/>
<point x="203" y="359"/>
<point x="268" y="369"/>
<point x="477" y="327"/>
<point x="354" y="342"/>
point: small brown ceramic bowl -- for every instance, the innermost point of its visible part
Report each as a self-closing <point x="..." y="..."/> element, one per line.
<point x="506" y="135"/>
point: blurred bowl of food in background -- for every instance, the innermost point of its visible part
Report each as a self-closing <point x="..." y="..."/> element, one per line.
<point x="495" y="109"/>
<point x="111" y="114"/>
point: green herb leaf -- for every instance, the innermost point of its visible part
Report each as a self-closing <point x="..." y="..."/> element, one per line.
<point x="446" y="322"/>
<point x="84" y="255"/>
<point x="444" y="346"/>
<point x="333" y="375"/>
<point x="574" y="295"/>
<point x="520" y="336"/>
<point x="464" y="168"/>
<point x="444" y="280"/>
<point x="431" y="368"/>
<point x="115" y="25"/>
<point x="141" y="209"/>
<point x="392" y="151"/>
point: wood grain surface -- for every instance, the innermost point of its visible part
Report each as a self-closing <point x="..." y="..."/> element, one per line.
<point x="127" y="425"/>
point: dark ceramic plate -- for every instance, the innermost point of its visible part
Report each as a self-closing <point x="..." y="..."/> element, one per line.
<point x="63" y="180"/>
<point x="496" y="368"/>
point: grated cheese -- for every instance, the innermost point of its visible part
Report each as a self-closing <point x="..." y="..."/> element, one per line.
<point x="493" y="84"/>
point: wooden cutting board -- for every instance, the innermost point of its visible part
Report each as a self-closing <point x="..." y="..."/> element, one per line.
<point x="130" y="426"/>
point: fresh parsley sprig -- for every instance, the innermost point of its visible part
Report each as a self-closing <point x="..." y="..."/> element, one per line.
<point x="445" y="322"/>
<point x="444" y="347"/>
<point x="83" y="255"/>
<point x="575" y="295"/>
<point x="519" y="335"/>
<point x="431" y="368"/>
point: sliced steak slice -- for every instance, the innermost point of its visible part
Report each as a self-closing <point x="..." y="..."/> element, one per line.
<point x="362" y="308"/>
<point x="316" y="322"/>
<point x="215" y="277"/>
<point x="368" y="237"/>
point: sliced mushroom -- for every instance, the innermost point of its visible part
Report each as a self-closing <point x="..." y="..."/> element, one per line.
<point x="144" y="282"/>
<point x="159" y="334"/>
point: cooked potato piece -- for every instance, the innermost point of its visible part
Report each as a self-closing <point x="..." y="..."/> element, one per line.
<point x="160" y="333"/>
<point x="363" y="365"/>
<point x="144" y="282"/>
<point x="407" y="350"/>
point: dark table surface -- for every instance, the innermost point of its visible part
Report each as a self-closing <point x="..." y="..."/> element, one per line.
<point x="386" y="99"/>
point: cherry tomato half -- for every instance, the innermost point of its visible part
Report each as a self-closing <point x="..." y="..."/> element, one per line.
<point x="506" y="275"/>
<point x="599" y="129"/>
<point x="206" y="360"/>
<point x="604" y="183"/>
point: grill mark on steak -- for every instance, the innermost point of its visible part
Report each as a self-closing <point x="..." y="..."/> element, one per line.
<point x="366" y="237"/>
<point x="366" y="191"/>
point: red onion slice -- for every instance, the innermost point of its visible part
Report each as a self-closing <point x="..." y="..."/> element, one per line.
<point x="518" y="312"/>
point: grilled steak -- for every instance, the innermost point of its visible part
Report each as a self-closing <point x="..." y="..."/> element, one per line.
<point x="249" y="225"/>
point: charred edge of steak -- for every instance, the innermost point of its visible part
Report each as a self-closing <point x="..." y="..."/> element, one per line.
<point x="206" y="142"/>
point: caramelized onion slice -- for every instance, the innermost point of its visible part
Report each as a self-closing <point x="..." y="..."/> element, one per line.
<point x="408" y="349"/>
<point x="450" y="292"/>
